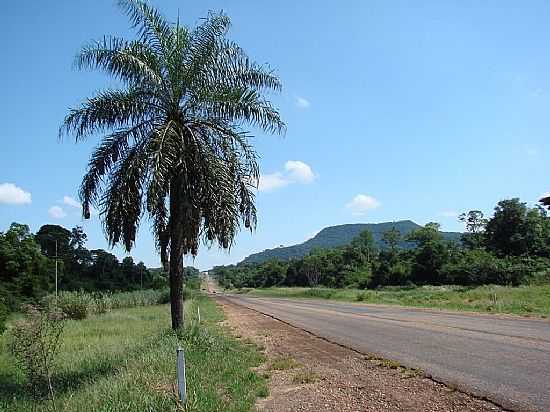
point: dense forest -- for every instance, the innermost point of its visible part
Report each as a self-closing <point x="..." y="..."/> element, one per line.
<point x="27" y="265"/>
<point x="509" y="248"/>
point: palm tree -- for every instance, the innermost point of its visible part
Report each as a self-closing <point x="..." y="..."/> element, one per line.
<point x="173" y="142"/>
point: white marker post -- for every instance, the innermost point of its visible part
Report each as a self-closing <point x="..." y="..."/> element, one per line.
<point x="181" y="374"/>
<point x="199" y="313"/>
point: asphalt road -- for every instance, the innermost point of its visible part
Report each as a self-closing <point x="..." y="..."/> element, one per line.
<point x="503" y="358"/>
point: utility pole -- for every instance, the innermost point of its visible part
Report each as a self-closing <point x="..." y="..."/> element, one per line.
<point x="56" y="268"/>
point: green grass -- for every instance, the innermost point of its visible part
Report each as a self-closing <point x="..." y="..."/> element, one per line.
<point x="523" y="300"/>
<point x="125" y="361"/>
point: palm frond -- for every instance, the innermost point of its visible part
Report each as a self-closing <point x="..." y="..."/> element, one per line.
<point x="108" y="110"/>
<point x="112" y="148"/>
<point x="153" y="29"/>
<point x="121" y="202"/>
<point x="244" y="105"/>
<point x="130" y="61"/>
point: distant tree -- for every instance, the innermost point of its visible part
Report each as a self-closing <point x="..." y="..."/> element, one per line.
<point x="175" y="146"/>
<point x="430" y="255"/>
<point x="104" y="270"/>
<point x="129" y="272"/>
<point x="475" y="226"/>
<point x="312" y="269"/>
<point x="474" y="221"/>
<point x="77" y="238"/>
<point x="25" y="273"/>
<point x="516" y="230"/>
<point x="392" y="238"/>
<point x="274" y="272"/>
<point x="365" y="243"/>
<point x="48" y="235"/>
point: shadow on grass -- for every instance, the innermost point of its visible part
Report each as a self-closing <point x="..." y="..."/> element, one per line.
<point x="13" y="384"/>
<point x="16" y="387"/>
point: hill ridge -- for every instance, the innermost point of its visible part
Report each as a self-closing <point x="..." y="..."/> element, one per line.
<point x="340" y="235"/>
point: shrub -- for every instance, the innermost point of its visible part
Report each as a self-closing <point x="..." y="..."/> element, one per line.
<point x="75" y="305"/>
<point x="319" y="293"/>
<point x="359" y="278"/>
<point x="193" y="283"/>
<point x="478" y="267"/>
<point x="34" y="342"/>
<point x="164" y="297"/>
<point x="3" y="317"/>
<point x="102" y="303"/>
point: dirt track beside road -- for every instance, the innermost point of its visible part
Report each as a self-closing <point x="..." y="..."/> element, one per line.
<point x="307" y="373"/>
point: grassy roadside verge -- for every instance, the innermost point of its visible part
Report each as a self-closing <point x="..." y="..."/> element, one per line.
<point x="125" y="361"/>
<point x="527" y="300"/>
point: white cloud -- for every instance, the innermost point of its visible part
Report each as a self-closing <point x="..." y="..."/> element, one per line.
<point x="295" y="171"/>
<point x="299" y="171"/>
<point x="531" y="151"/>
<point x="361" y="204"/>
<point x="449" y="213"/>
<point x="57" y="212"/>
<point x="271" y="182"/>
<point x="13" y="195"/>
<point x="302" y="102"/>
<point x="71" y="201"/>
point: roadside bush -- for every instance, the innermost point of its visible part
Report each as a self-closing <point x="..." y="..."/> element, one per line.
<point x="319" y="293"/>
<point x="34" y="342"/>
<point x="102" y="303"/>
<point x="78" y="305"/>
<point x="3" y="317"/>
<point x="193" y="283"/>
<point x="359" y="278"/>
<point x="164" y="296"/>
<point x="538" y="278"/>
<point x="75" y="305"/>
<point x="479" y="267"/>
<point x="145" y="297"/>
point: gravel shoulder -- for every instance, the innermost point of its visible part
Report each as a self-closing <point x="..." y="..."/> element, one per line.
<point x="307" y="373"/>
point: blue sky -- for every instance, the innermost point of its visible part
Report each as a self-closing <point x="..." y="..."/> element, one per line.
<point x="394" y="111"/>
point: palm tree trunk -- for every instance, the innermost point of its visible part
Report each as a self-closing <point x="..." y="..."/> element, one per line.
<point x="176" y="258"/>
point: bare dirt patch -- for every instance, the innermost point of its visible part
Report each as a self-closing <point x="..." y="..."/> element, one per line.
<point x="322" y="376"/>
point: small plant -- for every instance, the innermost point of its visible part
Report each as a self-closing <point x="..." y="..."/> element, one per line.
<point x="360" y="297"/>
<point x="34" y="343"/>
<point x="283" y="364"/>
<point x="305" y="377"/>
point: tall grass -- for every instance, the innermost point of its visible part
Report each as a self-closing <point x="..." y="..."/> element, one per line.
<point x="124" y="360"/>
<point x="78" y="305"/>
<point x="524" y="300"/>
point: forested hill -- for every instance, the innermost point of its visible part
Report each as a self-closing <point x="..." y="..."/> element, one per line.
<point x="340" y="235"/>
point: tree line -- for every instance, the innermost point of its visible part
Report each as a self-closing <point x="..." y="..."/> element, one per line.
<point x="27" y="265"/>
<point x="509" y="248"/>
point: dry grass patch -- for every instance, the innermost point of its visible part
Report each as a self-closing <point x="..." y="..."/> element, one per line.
<point x="284" y="364"/>
<point x="305" y="377"/>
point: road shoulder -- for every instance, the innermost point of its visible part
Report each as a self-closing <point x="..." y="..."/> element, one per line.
<point x="307" y="373"/>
